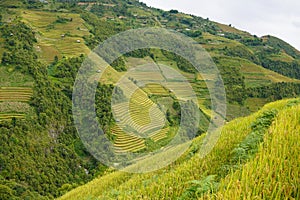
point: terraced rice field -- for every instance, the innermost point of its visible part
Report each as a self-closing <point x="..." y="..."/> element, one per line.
<point x="156" y="89"/>
<point x="182" y="90"/>
<point x="256" y="75"/>
<point x="132" y="62"/>
<point x="217" y="42"/>
<point x="160" y="135"/>
<point x="140" y="114"/>
<point x="21" y="94"/>
<point x="147" y="76"/>
<point x="127" y="142"/>
<point x="139" y="108"/>
<point x="201" y="89"/>
<point x="13" y="102"/>
<point x="57" y="39"/>
<point x="110" y="75"/>
<point x="140" y="117"/>
<point x="6" y="116"/>
<point x="282" y="57"/>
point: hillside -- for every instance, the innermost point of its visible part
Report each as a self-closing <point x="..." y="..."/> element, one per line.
<point x="44" y="43"/>
<point x="254" y="158"/>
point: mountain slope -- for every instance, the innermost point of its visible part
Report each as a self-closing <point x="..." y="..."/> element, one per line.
<point x="42" y="46"/>
<point x="239" y="147"/>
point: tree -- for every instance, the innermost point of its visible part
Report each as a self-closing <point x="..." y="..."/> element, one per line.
<point x="174" y="11"/>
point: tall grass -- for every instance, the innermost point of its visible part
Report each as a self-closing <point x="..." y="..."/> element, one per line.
<point x="274" y="173"/>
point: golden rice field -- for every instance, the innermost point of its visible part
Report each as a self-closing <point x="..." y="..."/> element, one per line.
<point x="156" y="89"/>
<point x="141" y="113"/>
<point x="139" y="108"/>
<point x="127" y="142"/>
<point x="162" y="134"/>
<point x="57" y="39"/>
<point x="273" y="173"/>
<point x="183" y="91"/>
<point x="138" y="117"/>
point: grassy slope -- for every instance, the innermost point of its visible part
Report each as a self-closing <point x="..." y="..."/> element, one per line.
<point x="274" y="172"/>
<point x="171" y="182"/>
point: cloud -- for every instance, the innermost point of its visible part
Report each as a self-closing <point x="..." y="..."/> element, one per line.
<point x="273" y="17"/>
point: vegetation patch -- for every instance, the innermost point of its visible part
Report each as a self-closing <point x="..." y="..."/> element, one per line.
<point x="14" y="107"/>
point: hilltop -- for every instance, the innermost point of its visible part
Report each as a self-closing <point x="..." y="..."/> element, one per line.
<point x="44" y="43"/>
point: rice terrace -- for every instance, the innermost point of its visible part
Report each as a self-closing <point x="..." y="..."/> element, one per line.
<point x="76" y="124"/>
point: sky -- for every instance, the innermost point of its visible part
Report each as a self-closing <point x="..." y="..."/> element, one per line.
<point x="259" y="17"/>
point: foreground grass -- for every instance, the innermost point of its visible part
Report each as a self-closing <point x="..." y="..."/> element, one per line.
<point x="174" y="181"/>
<point x="274" y="172"/>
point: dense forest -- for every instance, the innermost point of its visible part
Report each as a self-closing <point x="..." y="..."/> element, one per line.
<point x="57" y="157"/>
